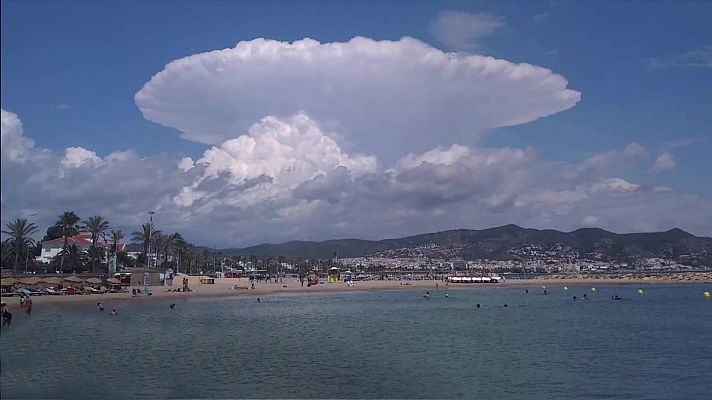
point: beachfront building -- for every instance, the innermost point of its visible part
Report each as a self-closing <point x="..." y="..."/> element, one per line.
<point x="51" y="248"/>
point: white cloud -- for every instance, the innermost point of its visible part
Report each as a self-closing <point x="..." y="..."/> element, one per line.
<point x="615" y="185"/>
<point x="75" y="157"/>
<point x="14" y="145"/>
<point x="664" y="162"/>
<point x="700" y="57"/>
<point x="386" y="98"/>
<point x="460" y="30"/>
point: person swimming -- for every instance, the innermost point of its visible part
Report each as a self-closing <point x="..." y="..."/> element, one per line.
<point x="478" y="305"/>
<point x="447" y="295"/>
<point x="114" y="312"/>
<point x="258" y="300"/>
<point x="427" y="296"/>
<point x="172" y="306"/>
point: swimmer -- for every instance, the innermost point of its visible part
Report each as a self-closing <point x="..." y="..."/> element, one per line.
<point x="114" y="312"/>
<point x="101" y="307"/>
<point x="172" y="306"/>
<point x="574" y="298"/>
<point x="447" y="295"/>
<point x="478" y="305"/>
<point x="526" y="290"/>
<point x="427" y="296"/>
<point x="258" y="300"/>
<point x="505" y="305"/>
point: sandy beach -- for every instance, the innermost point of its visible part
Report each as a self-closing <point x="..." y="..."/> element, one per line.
<point x="242" y="287"/>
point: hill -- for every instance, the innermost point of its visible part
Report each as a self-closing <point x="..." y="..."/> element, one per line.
<point x="509" y="242"/>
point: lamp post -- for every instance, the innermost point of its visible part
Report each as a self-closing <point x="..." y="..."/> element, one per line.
<point x="27" y="250"/>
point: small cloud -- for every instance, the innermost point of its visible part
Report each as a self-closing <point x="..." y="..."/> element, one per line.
<point x="664" y="162"/>
<point x="541" y="17"/>
<point x="460" y="30"/>
<point x="700" y="57"/>
<point x="674" y="144"/>
<point x="64" y="107"/>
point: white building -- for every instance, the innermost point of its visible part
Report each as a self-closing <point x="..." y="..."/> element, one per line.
<point x="51" y="248"/>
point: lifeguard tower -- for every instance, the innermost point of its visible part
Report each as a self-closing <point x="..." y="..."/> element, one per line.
<point x="334" y="275"/>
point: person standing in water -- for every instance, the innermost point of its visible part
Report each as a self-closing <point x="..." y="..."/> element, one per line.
<point x="113" y="312"/>
<point x="101" y="307"/>
<point x="28" y="307"/>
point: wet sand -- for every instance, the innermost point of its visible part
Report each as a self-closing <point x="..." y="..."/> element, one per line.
<point x="226" y="287"/>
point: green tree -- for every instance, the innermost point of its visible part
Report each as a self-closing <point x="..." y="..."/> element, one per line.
<point x="68" y="222"/>
<point x="72" y="257"/>
<point x="145" y="236"/>
<point x="20" y="240"/>
<point x="96" y="226"/>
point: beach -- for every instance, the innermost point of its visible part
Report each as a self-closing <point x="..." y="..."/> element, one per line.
<point x="227" y="287"/>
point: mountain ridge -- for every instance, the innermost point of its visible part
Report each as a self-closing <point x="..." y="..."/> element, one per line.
<point x="507" y="242"/>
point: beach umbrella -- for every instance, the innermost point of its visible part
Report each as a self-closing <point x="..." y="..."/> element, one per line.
<point x="114" y="281"/>
<point x="8" y="281"/>
<point x="74" y="279"/>
<point x="53" y="280"/>
<point x="30" y="281"/>
<point x="93" y="281"/>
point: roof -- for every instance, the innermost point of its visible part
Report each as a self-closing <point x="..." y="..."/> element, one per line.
<point x="82" y="239"/>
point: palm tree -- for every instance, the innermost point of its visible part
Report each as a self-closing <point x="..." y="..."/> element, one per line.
<point x="145" y="236"/>
<point x="74" y="255"/>
<point x="68" y="221"/>
<point x="20" y="240"/>
<point x="96" y="226"/>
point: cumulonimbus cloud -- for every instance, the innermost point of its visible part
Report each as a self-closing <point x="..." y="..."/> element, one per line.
<point x="286" y="179"/>
<point x="384" y="97"/>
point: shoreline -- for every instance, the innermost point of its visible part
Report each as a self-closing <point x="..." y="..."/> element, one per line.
<point x="225" y="288"/>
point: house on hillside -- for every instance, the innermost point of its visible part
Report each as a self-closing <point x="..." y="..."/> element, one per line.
<point x="51" y="248"/>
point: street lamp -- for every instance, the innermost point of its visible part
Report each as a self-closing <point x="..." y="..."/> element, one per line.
<point x="27" y="250"/>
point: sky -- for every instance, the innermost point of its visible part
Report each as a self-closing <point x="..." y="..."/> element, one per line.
<point x="248" y="122"/>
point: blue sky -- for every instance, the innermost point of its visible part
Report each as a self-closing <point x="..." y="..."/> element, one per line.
<point x="70" y="70"/>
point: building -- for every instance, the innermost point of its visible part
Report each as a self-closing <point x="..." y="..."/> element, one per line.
<point x="51" y="248"/>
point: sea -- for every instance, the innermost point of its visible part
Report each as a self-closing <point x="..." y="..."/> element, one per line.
<point x="383" y="344"/>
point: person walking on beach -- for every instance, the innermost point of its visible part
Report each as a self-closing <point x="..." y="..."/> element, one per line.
<point x="6" y="317"/>
<point x="28" y="307"/>
<point x="22" y="301"/>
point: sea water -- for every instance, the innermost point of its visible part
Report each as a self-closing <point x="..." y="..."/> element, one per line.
<point x="387" y="344"/>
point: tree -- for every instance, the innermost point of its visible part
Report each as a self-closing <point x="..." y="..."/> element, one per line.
<point x="96" y="226"/>
<point x="115" y="236"/>
<point x="72" y="256"/>
<point x="20" y="239"/>
<point x="145" y="236"/>
<point x="68" y="221"/>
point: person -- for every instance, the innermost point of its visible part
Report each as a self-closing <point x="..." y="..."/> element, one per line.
<point x="505" y="305"/>
<point x="173" y="306"/>
<point x="22" y="301"/>
<point x="101" y="307"/>
<point x="585" y="296"/>
<point x="526" y="290"/>
<point x="574" y="298"/>
<point x="436" y="286"/>
<point x="447" y="295"/>
<point x="113" y="312"/>
<point x="28" y="307"/>
<point x="6" y="317"/>
<point x="427" y="295"/>
<point x="253" y="285"/>
<point x="478" y="305"/>
<point x="545" y="292"/>
<point x="258" y="300"/>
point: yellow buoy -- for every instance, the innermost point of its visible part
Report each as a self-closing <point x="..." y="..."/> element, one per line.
<point x="707" y="295"/>
<point x="640" y="292"/>
<point x="566" y="288"/>
<point x="593" y="289"/>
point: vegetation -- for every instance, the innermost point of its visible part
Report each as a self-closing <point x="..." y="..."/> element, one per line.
<point x="20" y="241"/>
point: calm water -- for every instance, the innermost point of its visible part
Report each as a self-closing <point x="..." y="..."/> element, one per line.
<point x="371" y="345"/>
